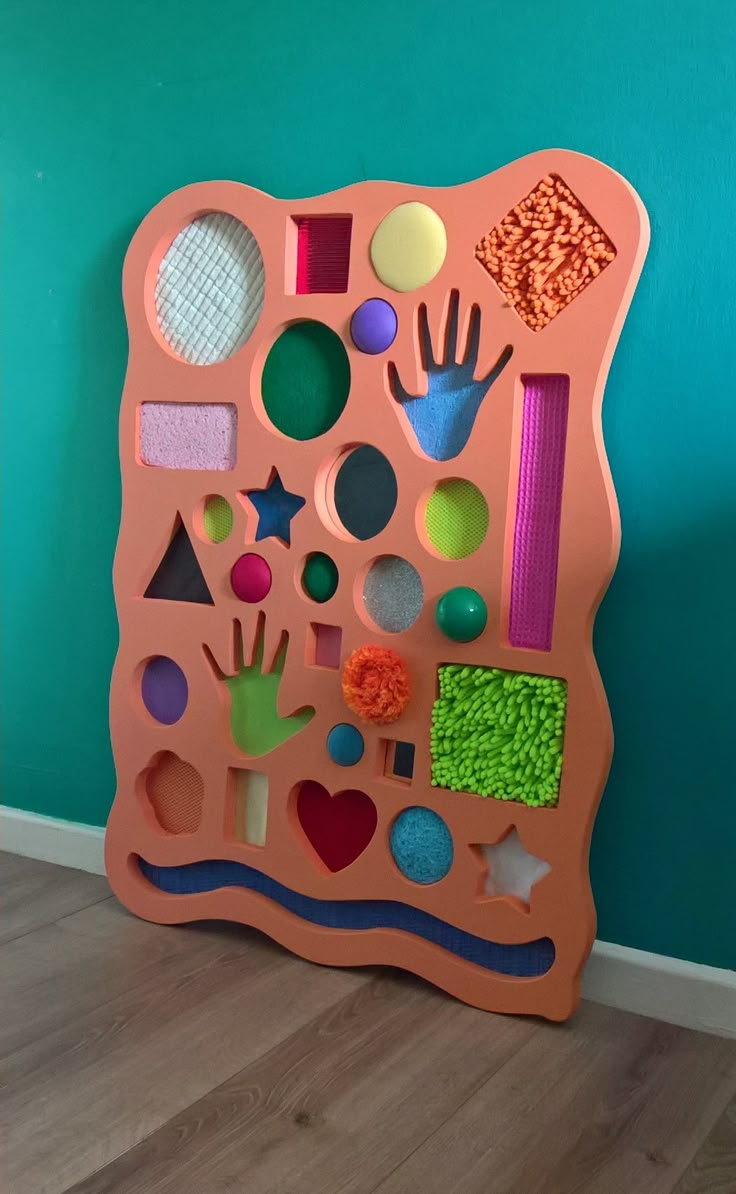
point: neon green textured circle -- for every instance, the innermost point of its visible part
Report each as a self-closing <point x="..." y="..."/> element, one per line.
<point x="456" y="518"/>
<point x="217" y="518"/>
<point x="409" y="246"/>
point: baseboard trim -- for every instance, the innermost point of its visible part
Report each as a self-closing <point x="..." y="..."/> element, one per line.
<point x="67" y="843"/>
<point x="684" y="993"/>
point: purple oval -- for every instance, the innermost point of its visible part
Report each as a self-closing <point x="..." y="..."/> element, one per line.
<point x="164" y="689"/>
<point x="373" y="326"/>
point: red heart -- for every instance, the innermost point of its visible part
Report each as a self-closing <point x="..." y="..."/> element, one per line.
<point x="339" y="827"/>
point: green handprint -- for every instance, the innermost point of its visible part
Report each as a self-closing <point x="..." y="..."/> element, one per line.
<point x="255" y="722"/>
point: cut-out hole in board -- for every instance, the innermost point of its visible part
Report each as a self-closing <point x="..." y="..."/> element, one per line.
<point x="175" y="792"/>
<point x="322" y="254"/>
<point x="545" y="252"/>
<point x="522" y="959"/>
<point x="275" y="507"/>
<point x="362" y="492"/>
<point x="324" y="645"/>
<point x="164" y="689"/>
<point x="217" y="518"/>
<point x="256" y="723"/>
<point x="178" y="576"/>
<point x="456" y="518"/>
<point x="209" y="291"/>
<point x="538" y="511"/>
<point x="339" y="827"/>
<point x="306" y="380"/>
<point x="443" y="418"/>
<point x="499" y="733"/>
<point x="320" y="577"/>
<point x="393" y="594"/>
<point x="188" y="435"/>
<point x="398" y="760"/>
<point x="512" y="870"/>
<point x="250" y="806"/>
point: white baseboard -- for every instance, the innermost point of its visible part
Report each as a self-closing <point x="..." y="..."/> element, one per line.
<point x="66" y="843"/>
<point x="684" y="993"/>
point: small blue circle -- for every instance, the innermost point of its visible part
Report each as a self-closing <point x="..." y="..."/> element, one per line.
<point x="345" y="744"/>
<point x="421" y="845"/>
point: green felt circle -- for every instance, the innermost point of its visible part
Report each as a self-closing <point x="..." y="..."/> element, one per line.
<point x="461" y="614"/>
<point x="306" y="380"/>
<point x="320" y="576"/>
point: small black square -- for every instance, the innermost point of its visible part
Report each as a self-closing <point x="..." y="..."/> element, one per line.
<point x="403" y="766"/>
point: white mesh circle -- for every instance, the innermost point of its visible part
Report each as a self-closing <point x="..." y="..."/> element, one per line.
<point x="209" y="291"/>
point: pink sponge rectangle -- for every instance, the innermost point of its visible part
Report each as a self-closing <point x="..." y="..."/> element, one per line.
<point x="188" y="435"/>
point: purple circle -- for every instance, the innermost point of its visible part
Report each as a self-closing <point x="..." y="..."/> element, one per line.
<point x="373" y="326"/>
<point x="164" y="689"/>
<point x="251" y="578"/>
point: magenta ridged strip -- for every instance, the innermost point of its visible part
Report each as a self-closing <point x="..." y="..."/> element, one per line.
<point x="323" y="254"/>
<point x="538" y="506"/>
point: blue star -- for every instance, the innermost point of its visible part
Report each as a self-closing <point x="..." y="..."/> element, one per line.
<point x="275" y="507"/>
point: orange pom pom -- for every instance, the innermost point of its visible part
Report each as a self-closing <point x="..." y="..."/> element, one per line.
<point x="375" y="684"/>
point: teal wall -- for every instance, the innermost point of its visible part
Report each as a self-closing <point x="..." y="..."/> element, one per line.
<point x="107" y="107"/>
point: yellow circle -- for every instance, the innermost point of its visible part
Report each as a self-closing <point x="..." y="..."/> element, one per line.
<point x="456" y="518"/>
<point x="409" y="246"/>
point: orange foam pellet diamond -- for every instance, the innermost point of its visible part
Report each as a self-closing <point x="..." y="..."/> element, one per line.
<point x="545" y="252"/>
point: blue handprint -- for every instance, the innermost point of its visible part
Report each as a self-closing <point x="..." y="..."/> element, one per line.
<point x="443" y="418"/>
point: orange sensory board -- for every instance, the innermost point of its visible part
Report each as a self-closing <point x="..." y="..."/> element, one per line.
<point x="367" y="522"/>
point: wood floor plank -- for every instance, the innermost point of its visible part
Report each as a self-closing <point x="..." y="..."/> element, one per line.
<point x="74" y="1099"/>
<point x="62" y="971"/>
<point x="141" y="1059"/>
<point x="610" y="1102"/>
<point x="335" y="1107"/>
<point x="713" y="1168"/>
<point x="34" y="893"/>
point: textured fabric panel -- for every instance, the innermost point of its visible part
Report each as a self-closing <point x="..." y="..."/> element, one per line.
<point x="526" y="960"/>
<point x="209" y="291"/>
<point x="393" y="594"/>
<point x="538" y="511"/>
<point x="323" y="254"/>
<point x="456" y="518"/>
<point x="188" y="435"/>
<point x="217" y="518"/>
<point x="176" y="791"/>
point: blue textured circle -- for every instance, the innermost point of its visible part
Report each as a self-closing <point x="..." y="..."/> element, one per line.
<point x="421" y="845"/>
<point x="345" y="744"/>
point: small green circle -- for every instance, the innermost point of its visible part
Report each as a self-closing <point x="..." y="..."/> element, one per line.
<point x="320" y="576"/>
<point x="461" y="614"/>
<point x="217" y="517"/>
<point x="306" y="380"/>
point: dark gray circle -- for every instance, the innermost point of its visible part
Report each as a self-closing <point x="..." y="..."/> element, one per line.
<point x="365" y="492"/>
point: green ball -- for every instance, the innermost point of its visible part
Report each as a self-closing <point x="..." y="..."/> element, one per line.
<point x="320" y="576"/>
<point x="461" y="614"/>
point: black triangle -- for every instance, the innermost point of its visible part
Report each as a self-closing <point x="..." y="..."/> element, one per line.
<point x="179" y="576"/>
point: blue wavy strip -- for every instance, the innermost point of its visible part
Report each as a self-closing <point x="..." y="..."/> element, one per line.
<point x="526" y="960"/>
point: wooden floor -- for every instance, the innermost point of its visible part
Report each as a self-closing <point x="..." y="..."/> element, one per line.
<point x="138" y="1059"/>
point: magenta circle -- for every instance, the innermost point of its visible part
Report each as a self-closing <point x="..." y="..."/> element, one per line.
<point x="251" y="578"/>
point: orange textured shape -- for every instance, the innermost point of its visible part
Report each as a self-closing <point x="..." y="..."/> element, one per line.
<point x="176" y="791"/>
<point x="376" y="685"/>
<point x="545" y="252"/>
